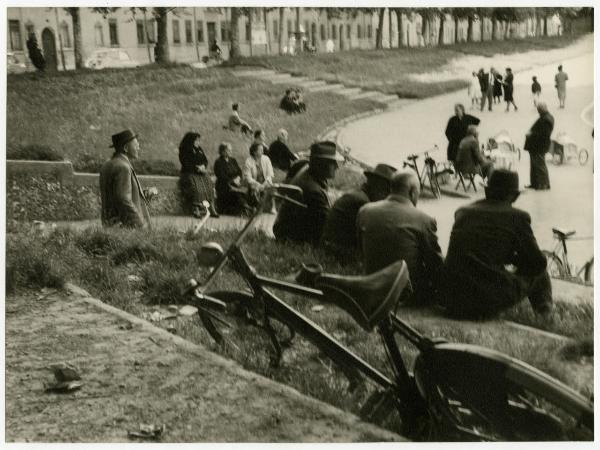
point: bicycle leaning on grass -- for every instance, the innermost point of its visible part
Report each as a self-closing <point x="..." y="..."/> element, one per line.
<point x="453" y="392"/>
<point x="430" y="172"/>
<point x="558" y="265"/>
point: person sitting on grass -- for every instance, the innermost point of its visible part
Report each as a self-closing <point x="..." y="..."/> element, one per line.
<point x="292" y="101"/>
<point x="231" y="196"/>
<point x="236" y="123"/>
<point x="279" y="153"/>
<point x="258" y="174"/>
<point x="493" y="260"/>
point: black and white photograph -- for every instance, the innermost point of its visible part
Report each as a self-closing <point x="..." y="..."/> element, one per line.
<point x="288" y="223"/>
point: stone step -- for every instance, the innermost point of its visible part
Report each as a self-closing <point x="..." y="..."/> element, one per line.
<point x="399" y="103"/>
<point x="328" y="88"/>
<point x="364" y="95"/>
<point x="312" y="84"/>
<point x="348" y="92"/>
<point x="383" y="98"/>
<point x="254" y="73"/>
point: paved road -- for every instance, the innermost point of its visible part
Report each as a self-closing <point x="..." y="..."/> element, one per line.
<point x="389" y="137"/>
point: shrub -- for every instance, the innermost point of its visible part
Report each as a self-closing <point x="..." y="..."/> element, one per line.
<point x="34" y="152"/>
<point x="136" y="252"/>
<point x="99" y="242"/>
<point x="90" y="163"/>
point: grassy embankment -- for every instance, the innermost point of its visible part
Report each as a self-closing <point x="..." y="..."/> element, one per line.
<point x="101" y="261"/>
<point x="390" y="70"/>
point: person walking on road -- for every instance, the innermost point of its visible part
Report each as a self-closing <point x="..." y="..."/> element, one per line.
<point x="497" y="88"/>
<point x="536" y="90"/>
<point x="474" y="91"/>
<point x="508" y="89"/>
<point x="560" y="83"/>
<point x="486" y="81"/>
<point x="537" y="143"/>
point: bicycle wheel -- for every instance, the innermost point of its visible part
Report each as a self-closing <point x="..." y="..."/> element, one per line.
<point x="583" y="156"/>
<point x="243" y="332"/>
<point x="475" y="393"/>
<point x="588" y="275"/>
<point x="554" y="265"/>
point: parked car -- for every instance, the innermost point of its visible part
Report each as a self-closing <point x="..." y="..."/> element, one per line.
<point x="110" y="58"/>
<point x="14" y="64"/>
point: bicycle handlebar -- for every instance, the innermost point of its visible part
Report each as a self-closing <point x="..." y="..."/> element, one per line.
<point x="208" y="301"/>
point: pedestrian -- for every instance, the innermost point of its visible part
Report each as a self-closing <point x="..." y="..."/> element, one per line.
<point x="339" y="234"/>
<point x="195" y="183"/>
<point x="493" y="260"/>
<point x="279" y="153"/>
<point x="123" y="200"/>
<point x="474" y="91"/>
<point x="231" y="197"/>
<point x="536" y="90"/>
<point x="456" y="129"/>
<point x="298" y="224"/>
<point x="537" y="143"/>
<point x="560" y="83"/>
<point x="497" y="87"/>
<point x="508" y="89"/>
<point x="486" y="82"/>
<point x="394" y="229"/>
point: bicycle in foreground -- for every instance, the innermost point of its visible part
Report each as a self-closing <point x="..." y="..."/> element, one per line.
<point x="430" y="173"/>
<point x="558" y="265"/>
<point x="454" y="392"/>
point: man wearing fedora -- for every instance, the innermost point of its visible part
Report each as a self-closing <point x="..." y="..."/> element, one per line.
<point x="339" y="234"/>
<point x="123" y="200"/>
<point x="306" y="224"/>
<point x="393" y="229"/>
<point x="493" y="258"/>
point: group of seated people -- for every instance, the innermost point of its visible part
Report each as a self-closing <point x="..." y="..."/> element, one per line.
<point x="292" y="101"/>
<point x="493" y="260"/>
<point x="237" y="191"/>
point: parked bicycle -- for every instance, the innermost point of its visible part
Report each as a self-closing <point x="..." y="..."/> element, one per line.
<point x="430" y="173"/>
<point x="558" y="265"/>
<point x="454" y="391"/>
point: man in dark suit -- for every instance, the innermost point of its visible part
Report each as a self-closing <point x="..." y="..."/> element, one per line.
<point x="339" y="234"/>
<point x="298" y="224"/>
<point x="537" y="143"/>
<point x="486" y="81"/>
<point x="279" y="153"/>
<point x="456" y="129"/>
<point x="493" y="259"/>
<point x="123" y="200"/>
<point x="393" y="229"/>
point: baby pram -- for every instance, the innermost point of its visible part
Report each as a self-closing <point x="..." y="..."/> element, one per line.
<point x="503" y="151"/>
<point x="563" y="148"/>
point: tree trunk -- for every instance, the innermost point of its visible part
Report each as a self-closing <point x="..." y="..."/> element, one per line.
<point x="424" y="30"/>
<point x="298" y="38"/>
<point x="470" y="29"/>
<point x="234" y="34"/>
<point x="440" y="35"/>
<point x="161" y="50"/>
<point x="148" y="36"/>
<point x="379" y="36"/>
<point x="545" y="24"/>
<point x="390" y="26"/>
<point x="456" y="30"/>
<point x="250" y="17"/>
<point x="482" y="31"/>
<point x="77" y="45"/>
<point x="281" y="38"/>
<point x="507" y="32"/>
<point x="494" y="29"/>
<point x="400" y="27"/>
<point x="267" y="30"/>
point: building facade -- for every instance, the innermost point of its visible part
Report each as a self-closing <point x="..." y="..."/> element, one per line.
<point x="190" y="31"/>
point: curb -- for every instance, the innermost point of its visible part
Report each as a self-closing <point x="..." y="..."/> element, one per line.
<point x="233" y="368"/>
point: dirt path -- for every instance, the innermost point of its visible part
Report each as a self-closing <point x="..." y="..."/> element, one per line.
<point x="136" y="373"/>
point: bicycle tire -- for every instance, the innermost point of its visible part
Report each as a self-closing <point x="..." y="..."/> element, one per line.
<point x="588" y="275"/>
<point x="554" y="265"/>
<point x="475" y="393"/>
<point x="583" y="156"/>
<point x="240" y="332"/>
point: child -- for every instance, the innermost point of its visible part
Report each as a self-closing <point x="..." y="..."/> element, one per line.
<point x="536" y="90"/>
<point x="474" y="91"/>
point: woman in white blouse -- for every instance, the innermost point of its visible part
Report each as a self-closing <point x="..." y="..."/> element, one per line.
<point x="258" y="173"/>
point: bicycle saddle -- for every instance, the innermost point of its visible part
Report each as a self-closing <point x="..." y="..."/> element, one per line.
<point x="368" y="299"/>
<point x="563" y="234"/>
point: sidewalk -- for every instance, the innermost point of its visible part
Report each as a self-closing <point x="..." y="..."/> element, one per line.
<point x="134" y="372"/>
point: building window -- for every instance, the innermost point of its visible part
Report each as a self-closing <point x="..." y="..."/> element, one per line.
<point x="200" y="31"/>
<point x="348" y="31"/>
<point x="15" y="35"/>
<point x="64" y="35"/>
<point x="176" y="34"/>
<point x="275" y="29"/>
<point x="248" y="31"/>
<point x="358" y="32"/>
<point x="333" y="32"/>
<point x="369" y="31"/>
<point x="141" y="35"/>
<point x="189" y="35"/>
<point x="224" y="31"/>
<point x="151" y="31"/>
<point x="323" y="32"/>
<point x="98" y="35"/>
<point x="113" y="32"/>
<point x="289" y="28"/>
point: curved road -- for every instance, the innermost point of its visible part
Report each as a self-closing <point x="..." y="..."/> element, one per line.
<point x="390" y="136"/>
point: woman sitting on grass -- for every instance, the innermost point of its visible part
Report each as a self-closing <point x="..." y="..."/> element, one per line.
<point x="230" y="194"/>
<point x="258" y="173"/>
<point x="195" y="183"/>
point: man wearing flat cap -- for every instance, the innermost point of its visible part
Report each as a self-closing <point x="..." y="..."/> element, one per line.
<point x="493" y="259"/>
<point x="123" y="200"/>
<point x="306" y="224"/>
<point x="339" y="235"/>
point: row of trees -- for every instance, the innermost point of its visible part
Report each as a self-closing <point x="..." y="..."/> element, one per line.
<point x="501" y="19"/>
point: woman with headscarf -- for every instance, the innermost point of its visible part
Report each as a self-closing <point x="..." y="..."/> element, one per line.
<point x="195" y="183"/>
<point x="230" y="194"/>
<point x="537" y="143"/>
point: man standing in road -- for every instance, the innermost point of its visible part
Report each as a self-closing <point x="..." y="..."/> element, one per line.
<point x="456" y="129"/>
<point x="537" y="143"/>
<point x="123" y="200"/>
<point x="486" y="80"/>
<point x="560" y="83"/>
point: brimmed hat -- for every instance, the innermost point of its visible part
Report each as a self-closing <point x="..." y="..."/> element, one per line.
<point x="325" y="150"/>
<point x="122" y="138"/>
<point x="382" y="171"/>
<point x="503" y="182"/>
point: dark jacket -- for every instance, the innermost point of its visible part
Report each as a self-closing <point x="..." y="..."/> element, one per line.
<point x="393" y="229"/>
<point x="484" y="81"/>
<point x="123" y="200"/>
<point x="488" y="235"/>
<point x="538" y="140"/>
<point x="281" y="156"/>
<point x="192" y="157"/>
<point x="304" y="224"/>
<point x="456" y="130"/>
<point x="536" y="87"/>
<point x="340" y="228"/>
<point x="468" y="158"/>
